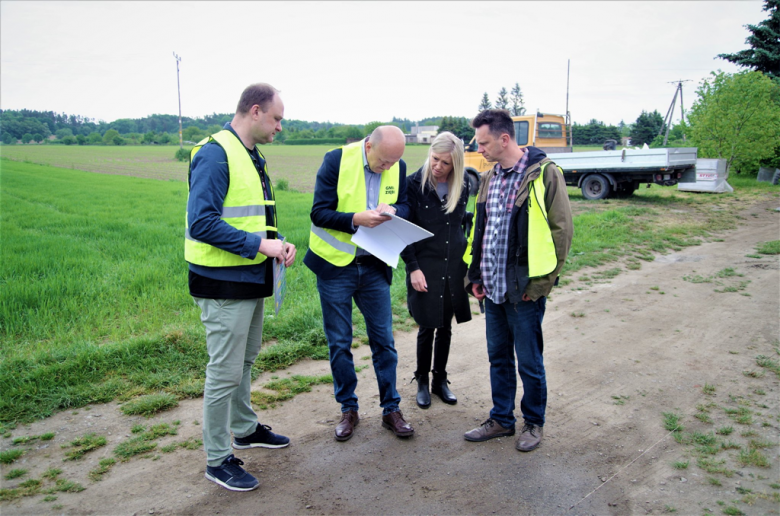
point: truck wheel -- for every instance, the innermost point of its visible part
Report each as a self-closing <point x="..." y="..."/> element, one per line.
<point x="595" y="187"/>
<point x="473" y="178"/>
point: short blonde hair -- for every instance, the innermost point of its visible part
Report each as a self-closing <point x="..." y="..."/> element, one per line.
<point x="446" y="143"/>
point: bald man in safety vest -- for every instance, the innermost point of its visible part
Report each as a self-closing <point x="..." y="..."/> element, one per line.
<point x="231" y="242"/>
<point x="355" y="185"/>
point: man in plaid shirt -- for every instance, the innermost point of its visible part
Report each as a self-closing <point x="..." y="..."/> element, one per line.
<point x="522" y="235"/>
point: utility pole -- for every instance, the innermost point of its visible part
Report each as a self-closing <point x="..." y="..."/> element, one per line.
<point x="671" y="109"/>
<point x="178" y="87"/>
<point x="568" y="115"/>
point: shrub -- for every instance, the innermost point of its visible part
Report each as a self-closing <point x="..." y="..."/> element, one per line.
<point x="182" y="154"/>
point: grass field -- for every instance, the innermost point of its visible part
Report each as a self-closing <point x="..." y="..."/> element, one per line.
<point x="94" y="303"/>
<point x="296" y="164"/>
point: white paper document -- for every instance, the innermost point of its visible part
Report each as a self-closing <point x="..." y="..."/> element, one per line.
<point x="387" y="240"/>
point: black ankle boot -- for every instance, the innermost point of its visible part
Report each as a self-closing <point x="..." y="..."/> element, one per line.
<point x="423" y="394"/>
<point x="439" y="388"/>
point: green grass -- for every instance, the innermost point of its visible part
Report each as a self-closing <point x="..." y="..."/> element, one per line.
<point x="104" y="465"/>
<point x="9" y="456"/>
<point x="15" y="473"/>
<point x="672" y="422"/>
<point x="84" y="445"/>
<point x="144" y="441"/>
<point x="772" y="247"/>
<point x="103" y="311"/>
<point x="287" y="388"/>
<point x="150" y="404"/>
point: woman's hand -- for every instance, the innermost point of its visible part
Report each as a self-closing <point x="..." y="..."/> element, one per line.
<point x="418" y="281"/>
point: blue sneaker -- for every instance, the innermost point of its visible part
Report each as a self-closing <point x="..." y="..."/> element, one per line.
<point x="231" y="475"/>
<point x="262" y="437"/>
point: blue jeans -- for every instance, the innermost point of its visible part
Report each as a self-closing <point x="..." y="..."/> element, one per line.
<point x="368" y="286"/>
<point x="516" y="328"/>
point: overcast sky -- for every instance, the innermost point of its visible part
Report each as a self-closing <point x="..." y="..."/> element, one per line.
<point x="356" y="62"/>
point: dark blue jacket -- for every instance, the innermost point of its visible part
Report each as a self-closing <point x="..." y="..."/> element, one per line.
<point x="324" y="214"/>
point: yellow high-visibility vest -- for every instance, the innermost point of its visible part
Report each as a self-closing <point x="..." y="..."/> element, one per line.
<point x="335" y="246"/>
<point x="243" y="207"/>
<point x="542" y="258"/>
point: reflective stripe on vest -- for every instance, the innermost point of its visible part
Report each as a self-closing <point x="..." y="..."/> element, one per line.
<point x="542" y="258"/>
<point x="335" y="246"/>
<point x="243" y="207"/>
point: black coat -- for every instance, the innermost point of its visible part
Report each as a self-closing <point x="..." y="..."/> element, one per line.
<point x="440" y="257"/>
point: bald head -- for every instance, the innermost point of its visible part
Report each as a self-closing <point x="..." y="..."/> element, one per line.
<point x="384" y="148"/>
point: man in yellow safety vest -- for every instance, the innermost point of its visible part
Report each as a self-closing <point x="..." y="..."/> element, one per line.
<point x="355" y="185"/>
<point x="522" y="234"/>
<point x="231" y="241"/>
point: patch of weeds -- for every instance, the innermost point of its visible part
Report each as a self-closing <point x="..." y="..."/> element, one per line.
<point x="150" y="404"/>
<point x="669" y="509"/>
<point x="753" y="256"/>
<point x="577" y="314"/>
<point x="761" y="444"/>
<point x="52" y="473"/>
<point x="680" y="464"/>
<point x="742" y="286"/>
<point x="24" y="439"/>
<point x="733" y="352"/>
<point x="84" y="444"/>
<point x="725" y="430"/>
<point x="607" y="274"/>
<point x="655" y="288"/>
<point x="714" y="481"/>
<point x="732" y="511"/>
<point x="9" y="456"/>
<point x="48" y="436"/>
<point x="360" y="368"/>
<point x="189" y="444"/>
<point x="730" y="445"/>
<point x="66" y="486"/>
<point x="132" y="447"/>
<point x="743" y="490"/>
<point x="672" y="421"/>
<point x="714" y="466"/>
<point x="754" y="457"/>
<point x="697" y="279"/>
<point x="103" y="466"/>
<point x="749" y="433"/>
<point x="137" y="429"/>
<point x="367" y="357"/>
<point x="768" y="363"/>
<point x="633" y="265"/>
<point x="708" y="389"/>
<point x="774" y="485"/>
<point x="49" y="498"/>
<point x="620" y="399"/>
<point x="727" y="273"/>
<point x="15" y="473"/>
<point x="771" y="247"/>
<point x="286" y="389"/>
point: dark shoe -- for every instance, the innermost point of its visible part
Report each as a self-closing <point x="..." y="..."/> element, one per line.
<point x="529" y="438"/>
<point x="490" y="429"/>
<point x="423" y="394"/>
<point x="262" y="437"/>
<point x="349" y="420"/>
<point x="440" y="389"/>
<point x="395" y="422"/>
<point x="231" y="475"/>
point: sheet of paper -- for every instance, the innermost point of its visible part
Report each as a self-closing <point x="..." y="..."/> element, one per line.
<point x="387" y="240"/>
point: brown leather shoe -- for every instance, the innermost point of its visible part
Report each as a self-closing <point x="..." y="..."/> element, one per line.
<point x="395" y="422"/>
<point x="349" y="420"/>
<point x="529" y="438"/>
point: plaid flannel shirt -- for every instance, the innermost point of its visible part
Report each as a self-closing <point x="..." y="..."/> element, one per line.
<point x="502" y="193"/>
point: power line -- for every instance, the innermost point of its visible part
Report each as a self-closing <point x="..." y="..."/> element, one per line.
<point x="671" y="109"/>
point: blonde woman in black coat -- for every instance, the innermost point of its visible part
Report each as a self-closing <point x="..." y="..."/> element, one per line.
<point x="438" y="194"/>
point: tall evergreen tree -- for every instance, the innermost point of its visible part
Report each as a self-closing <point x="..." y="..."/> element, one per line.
<point x="646" y="127"/>
<point x="516" y="98"/>
<point x="485" y="104"/>
<point x="764" y="52"/>
<point x="502" y="102"/>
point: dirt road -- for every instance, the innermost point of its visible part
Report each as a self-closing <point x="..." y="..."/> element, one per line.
<point x="618" y="353"/>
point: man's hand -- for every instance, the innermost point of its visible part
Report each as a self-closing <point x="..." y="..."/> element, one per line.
<point x="418" y="281"/>
<point x="526" y="298"/>
<point x="272" y="248"/>
<point x="289" y="253"/>
<point x="385" y="208"/>
<point x="370" y="218"/>
<point x="478" y="291"/>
